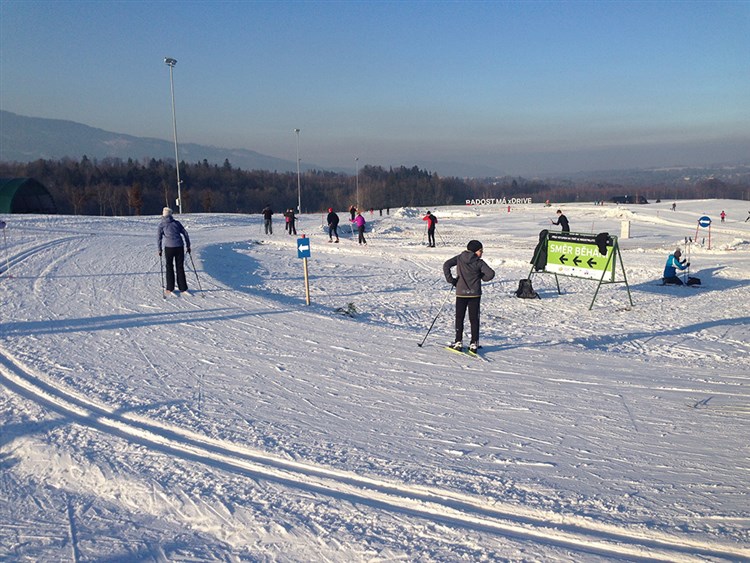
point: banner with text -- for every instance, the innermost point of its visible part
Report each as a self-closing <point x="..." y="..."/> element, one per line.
<point x="500" y="201"/>
<point x="580" y="255"/>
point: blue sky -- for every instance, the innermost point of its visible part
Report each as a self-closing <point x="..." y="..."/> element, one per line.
<point x="522" y="87"/>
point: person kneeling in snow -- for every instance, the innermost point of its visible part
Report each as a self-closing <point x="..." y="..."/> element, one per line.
<point x="670" y="269"/>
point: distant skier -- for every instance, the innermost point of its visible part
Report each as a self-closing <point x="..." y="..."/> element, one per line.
<point x="670" y="269"/>
<point x="723" y="215"/>
<point x="333" y="225"/>
<point x="173" y="232"/>
<point x="359" y="220"/>
<point x="471" y="271"/>
<point x="267" y="215"/>
<point x="562" y="220"/>
<point x="431" y="222"/>
<point x="674" y="207"/>
<point x="290" y="221"/>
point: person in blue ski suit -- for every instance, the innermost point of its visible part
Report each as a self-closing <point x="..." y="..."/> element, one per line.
<point x="670" y="269"/>
<point x="172" y="232"/>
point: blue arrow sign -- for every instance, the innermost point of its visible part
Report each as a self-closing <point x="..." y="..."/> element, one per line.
<point x="704" y="221"/>
<point x="303" y="248"/>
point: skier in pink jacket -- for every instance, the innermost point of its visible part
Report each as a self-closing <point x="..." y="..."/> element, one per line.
<point x="360" y="222"/>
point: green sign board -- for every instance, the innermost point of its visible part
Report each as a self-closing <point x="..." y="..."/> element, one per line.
<point x="580" y="255"/>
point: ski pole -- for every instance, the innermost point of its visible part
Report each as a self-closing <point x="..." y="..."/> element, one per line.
<point x="196" y="275"/>
<point x="441" y="238"/>
<point x="436" y="316"/>
<point x="163" y="287"/>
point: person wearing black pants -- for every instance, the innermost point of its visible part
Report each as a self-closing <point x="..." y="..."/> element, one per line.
<point x="171" y="232"/>
<point x="333" y="225"/>
<point x="431" y="222"/>
<point x="175" y="259"/>
<point x="471" y="271"/>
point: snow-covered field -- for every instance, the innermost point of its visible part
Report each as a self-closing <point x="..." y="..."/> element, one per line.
<point x="239" y="423"/>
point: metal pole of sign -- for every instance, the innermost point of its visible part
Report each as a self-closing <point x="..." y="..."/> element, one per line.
<point x="604" y="273"/>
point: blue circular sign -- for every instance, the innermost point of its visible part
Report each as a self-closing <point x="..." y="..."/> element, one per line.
<point x="704" y="221"/>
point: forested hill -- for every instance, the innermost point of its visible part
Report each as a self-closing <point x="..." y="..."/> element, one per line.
<point x="127" y="187"/>
<point x="116" y="187"/>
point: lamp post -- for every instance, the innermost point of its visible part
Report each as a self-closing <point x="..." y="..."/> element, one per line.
<point x="356" y="166"/>
<point x="299" y="186"/>
<point x="170" y="62"/>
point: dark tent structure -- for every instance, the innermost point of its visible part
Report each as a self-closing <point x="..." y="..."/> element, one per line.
<point x="25" y="195"/>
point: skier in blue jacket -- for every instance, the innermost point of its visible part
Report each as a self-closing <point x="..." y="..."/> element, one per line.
<point x="173" y="232"/>
<point x="670" y="269"/>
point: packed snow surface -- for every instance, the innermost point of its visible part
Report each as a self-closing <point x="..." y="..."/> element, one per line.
<point x="238" y="422"/>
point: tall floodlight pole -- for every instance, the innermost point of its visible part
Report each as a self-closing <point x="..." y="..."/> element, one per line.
<point x="356" y="167"/>
<point x="299" y="186"/>
<point x="170" y="63"/>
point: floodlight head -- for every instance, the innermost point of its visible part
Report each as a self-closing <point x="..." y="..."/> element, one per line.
<point x="170" y="61"/>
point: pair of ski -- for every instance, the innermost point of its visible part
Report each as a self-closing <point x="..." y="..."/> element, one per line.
<point x="167" y="294"/>
<point x="467" y="352"/>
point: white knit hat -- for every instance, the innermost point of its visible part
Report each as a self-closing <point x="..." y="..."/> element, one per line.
<point x="166" y="212"/>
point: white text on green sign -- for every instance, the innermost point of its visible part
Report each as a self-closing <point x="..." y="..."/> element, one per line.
<point x="578" y="255"/>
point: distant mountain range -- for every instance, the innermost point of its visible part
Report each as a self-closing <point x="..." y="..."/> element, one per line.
<point x="25" y="139"/>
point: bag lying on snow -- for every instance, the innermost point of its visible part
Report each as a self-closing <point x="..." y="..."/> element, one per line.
<point x="526" y="291"/>
<point x="693" y="281"/>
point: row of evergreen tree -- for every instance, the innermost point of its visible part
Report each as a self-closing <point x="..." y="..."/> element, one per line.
<point x="113" y="186"/>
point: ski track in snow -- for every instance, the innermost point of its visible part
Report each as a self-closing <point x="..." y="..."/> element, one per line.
<point x="337" y="437"/>
<point x="438" y="505"/>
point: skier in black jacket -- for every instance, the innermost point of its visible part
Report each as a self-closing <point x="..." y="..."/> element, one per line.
<point x="333" y="225"/>
<point x="562" y="220"/>
<point x="267" y="219"/>
<point x="471" y="271"/>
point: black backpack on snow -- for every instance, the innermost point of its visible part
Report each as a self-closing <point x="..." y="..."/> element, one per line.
<point x="526" y="291"/>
